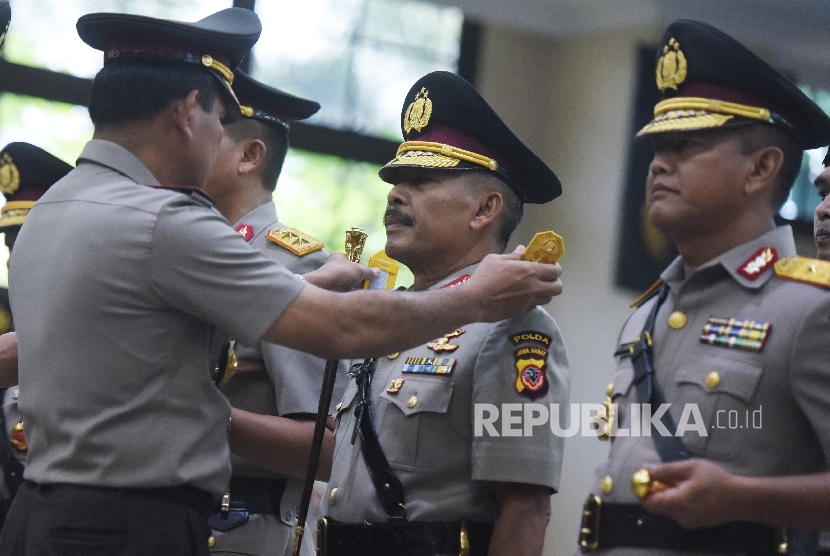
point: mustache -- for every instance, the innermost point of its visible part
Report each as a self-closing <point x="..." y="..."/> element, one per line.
<point x="394" y="213"/>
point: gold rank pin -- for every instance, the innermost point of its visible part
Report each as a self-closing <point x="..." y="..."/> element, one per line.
<point x="545" y="247"/>
<point x="642" y="484"/>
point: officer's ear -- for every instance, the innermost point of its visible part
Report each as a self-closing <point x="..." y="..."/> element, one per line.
<point x="490" y="205"/>
<point x="765" y="165"/>
<point x="182" y="110"/>
<point x="253" y="156"/>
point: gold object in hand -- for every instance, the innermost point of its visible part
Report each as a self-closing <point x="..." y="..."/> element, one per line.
<point x="642" y="484"/>
<point x="355" y="240"/>
<point x="545" y="247"/>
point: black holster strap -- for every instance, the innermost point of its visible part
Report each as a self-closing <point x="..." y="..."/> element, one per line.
<point x="632" y="526"/>
<point x="394" y="538"/>
<point x="387" y="485"/>
<point x="256" y="496"/>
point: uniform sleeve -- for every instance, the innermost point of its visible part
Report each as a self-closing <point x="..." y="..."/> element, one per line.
<point x="810" y="370"/>
<point x="522" y="381"/>
<point x="298" y="378"/>
<point x="200" y="266"/>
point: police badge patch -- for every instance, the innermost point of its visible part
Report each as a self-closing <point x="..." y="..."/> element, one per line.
<point x="530" y="364"/>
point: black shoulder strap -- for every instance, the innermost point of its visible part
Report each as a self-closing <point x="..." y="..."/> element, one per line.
<point x="669" y="447"/>
<point x="387" y="486"/>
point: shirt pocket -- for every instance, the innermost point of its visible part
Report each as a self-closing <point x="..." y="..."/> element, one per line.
<point x="722" y="387"/>
<point x="418" y="409"/>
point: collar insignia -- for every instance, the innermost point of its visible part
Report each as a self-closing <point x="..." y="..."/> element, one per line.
<point x="246" y="231"/>
<point x="9" y="175"/>
<point x="671" y="67"/>
<point x="459" y="280"/>
<point x="758" y="262"/>
<point x="418" y="112"/>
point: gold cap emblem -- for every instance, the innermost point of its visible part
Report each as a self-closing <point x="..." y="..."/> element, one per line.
<point x="671" y="67"/>
<point x="418" y="112"/>
<point x="9" y="175"/>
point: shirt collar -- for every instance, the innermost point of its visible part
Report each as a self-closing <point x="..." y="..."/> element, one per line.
<point x="780" y="240"/>
<point x="116" y="157"/>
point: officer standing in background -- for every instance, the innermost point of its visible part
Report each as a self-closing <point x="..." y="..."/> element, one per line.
<point x="821" y="216"/>
<point x="26" y="172"/>
<point x="733" y="336"/>
<point x="821" y="234"/>
<point x="415" y="470"/>
<point x="129" y="282"/>
<point x="267" y="379"/>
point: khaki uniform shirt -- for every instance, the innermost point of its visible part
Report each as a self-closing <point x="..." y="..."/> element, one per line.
<point x="431" y="427"/>
<point x="762" y="412"/>
<point x="119" y="291"/>
<point x="290" y="385"/>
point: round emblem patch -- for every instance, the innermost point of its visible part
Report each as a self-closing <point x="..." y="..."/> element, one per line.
<point x="9" y="175"/>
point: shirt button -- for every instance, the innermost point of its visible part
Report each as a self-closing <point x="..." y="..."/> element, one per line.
<point x="713" y="379"/>
<point x="211" y="542"/>
<point x="412" y="402"/>
<point x="677" y="320"/>
<point x="332" y="496"/>
<point x="606" y="484"/>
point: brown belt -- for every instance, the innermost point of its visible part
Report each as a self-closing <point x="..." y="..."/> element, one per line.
<point x="249" y="367"/>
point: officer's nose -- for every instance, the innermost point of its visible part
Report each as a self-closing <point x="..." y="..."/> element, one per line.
<point x="396" y="195"/>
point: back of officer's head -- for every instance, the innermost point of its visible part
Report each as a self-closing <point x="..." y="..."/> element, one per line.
<point x="140" y="90"/>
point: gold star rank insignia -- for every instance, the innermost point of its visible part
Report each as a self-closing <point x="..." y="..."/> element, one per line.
<point x="294" y="240"/>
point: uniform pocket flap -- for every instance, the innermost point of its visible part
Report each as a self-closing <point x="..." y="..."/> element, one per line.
<point x="728" y="376"/>
<point x="417" y="395"/>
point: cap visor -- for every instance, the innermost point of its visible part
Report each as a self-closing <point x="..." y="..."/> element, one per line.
<point x="666" y="123"/>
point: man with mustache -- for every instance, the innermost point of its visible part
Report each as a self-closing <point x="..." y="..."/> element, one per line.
<point x="429" y="458"/>
<point x="134" y="282"/>
<point x="734" y="334"/>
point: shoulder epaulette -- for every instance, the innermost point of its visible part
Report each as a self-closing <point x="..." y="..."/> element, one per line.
<point x="648" y="294"/>
<point x="187" y="190"/>
<point x="294" y="240"/>
<point x="804" y="269"/>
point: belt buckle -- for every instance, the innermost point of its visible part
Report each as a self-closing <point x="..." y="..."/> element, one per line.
<point x="322" y="536"/>
<point x="589" y="528"/>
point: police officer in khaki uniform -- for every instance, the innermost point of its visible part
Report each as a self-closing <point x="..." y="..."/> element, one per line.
<point x="821" y="234"/>
<point x="26" y="172"/>
<point x="267" y="379"/>
<point x="733" y="336"/>
<point x="821" y="216"/>
<point x="134" y="281"/>
<point x="432" y="455"/>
